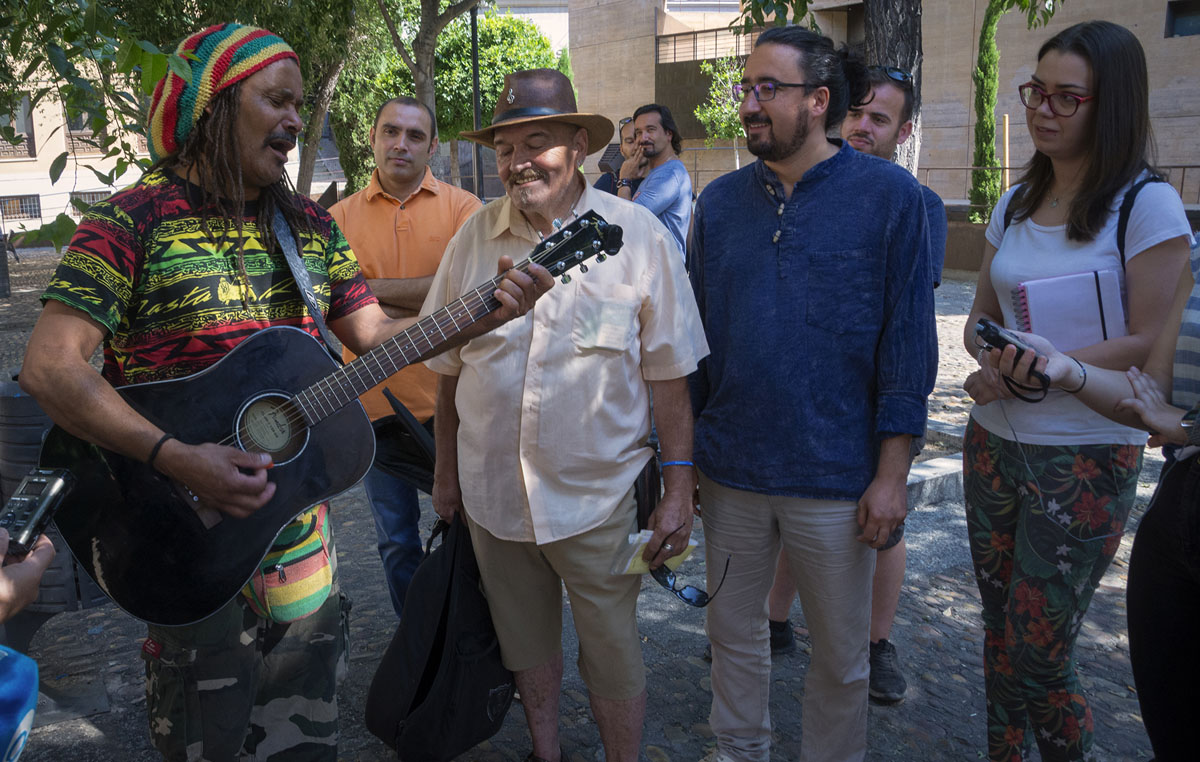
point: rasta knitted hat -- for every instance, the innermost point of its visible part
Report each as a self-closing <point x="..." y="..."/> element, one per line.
<point x="219" y="56"/>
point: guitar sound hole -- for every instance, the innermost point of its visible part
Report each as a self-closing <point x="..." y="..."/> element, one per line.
<point x="271" y="424"/>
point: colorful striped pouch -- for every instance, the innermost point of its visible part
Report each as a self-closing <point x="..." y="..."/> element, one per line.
<point x="295" y="578"/>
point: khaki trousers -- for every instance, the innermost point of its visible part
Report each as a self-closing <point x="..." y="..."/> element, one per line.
<point x="833" y="574"/>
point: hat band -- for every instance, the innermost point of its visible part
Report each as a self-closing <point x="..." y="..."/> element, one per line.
<point x="521" y="113"/>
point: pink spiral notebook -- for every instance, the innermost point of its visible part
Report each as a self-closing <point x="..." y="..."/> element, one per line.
<point x="1072" y="311"/>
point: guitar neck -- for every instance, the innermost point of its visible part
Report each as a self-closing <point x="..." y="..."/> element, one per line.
<point x="430" y="335"/>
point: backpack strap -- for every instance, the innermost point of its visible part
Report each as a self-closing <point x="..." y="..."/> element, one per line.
<point x="1009" y="211"/>
<point x="1127" y="209"/>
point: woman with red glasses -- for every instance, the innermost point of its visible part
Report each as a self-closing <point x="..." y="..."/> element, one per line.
<point x="1048" y="482"/>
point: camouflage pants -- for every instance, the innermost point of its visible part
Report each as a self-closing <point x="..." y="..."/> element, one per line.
<point x="238" y="687"/>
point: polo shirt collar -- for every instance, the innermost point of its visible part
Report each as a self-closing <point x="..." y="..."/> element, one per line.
<point x="428" y="183"/>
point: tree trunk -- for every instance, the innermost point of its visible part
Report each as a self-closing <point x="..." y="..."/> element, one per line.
<point x="893" y="38"/>
<point x="418" y="55"/>
<point x="455" y="174"/>
<point x="316" y="125"/>
<point x="424" y="47"/>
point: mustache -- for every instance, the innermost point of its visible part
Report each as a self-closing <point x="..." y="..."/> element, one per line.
<point x="525" y="176"/>
<point x="281" y="137"/>
<point x="756" y="119"/>
<point x="862" y="136"/>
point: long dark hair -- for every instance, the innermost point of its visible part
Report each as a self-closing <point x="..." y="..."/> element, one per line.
<point x="840" y="70"/>
<point x="1120" y="144"/>
<point x="211" y="148"/>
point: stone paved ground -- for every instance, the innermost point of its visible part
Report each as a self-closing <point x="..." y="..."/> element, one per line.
<point x="92" y="655"/>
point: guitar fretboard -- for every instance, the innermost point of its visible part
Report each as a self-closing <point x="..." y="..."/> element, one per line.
<point x="418" y="342"/>
<point x="569" y="247"/>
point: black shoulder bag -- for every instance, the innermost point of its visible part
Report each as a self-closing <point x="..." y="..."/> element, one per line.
<point x="440" y="688"/>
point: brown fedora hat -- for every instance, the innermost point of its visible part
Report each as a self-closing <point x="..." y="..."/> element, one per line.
<point x="542" y="95"/>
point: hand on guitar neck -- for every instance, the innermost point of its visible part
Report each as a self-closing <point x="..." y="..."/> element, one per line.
<point x="516" y="292"/>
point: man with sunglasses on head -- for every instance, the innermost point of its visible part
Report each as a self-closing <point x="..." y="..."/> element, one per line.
<point x="608" y="180"/>
<point x="811" y="270"/>
<point x="877" y="126"/>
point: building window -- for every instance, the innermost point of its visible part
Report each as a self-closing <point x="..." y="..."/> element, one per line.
<point x="22" y="124"/>
<point x="86" y="197"/>
<point x="80" y="138"/>
<point x="20" y="207"/>
<point x="1183" y="18"/>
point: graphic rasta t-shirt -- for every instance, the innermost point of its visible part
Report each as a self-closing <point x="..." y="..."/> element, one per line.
<point x="171" y="295"/>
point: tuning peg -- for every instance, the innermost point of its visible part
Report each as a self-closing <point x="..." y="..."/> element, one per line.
<point x="601" y="257"/>
<point x="583" y="268"/>
<point x="566" y="279"/>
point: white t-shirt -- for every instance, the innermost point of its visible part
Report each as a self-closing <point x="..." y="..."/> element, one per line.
<point x="1027" y="251"/>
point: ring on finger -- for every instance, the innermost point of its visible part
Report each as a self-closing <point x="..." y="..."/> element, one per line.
<point x="668" y="547"/>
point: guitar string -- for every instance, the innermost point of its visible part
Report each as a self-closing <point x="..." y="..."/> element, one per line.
<point x="300" y="409"/>
<point x="326" y="397"/>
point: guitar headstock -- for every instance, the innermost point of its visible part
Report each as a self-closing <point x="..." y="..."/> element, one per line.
<point x="589" y="235"/>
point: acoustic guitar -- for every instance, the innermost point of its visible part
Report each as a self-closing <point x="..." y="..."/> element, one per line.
<point x="149" y="543"/>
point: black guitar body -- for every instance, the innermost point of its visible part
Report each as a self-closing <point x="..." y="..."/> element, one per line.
<point x="139" y="535"/>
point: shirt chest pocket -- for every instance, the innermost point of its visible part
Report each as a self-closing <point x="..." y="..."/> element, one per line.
<point x="844" y="291"/>
<point x="605" y="316"/>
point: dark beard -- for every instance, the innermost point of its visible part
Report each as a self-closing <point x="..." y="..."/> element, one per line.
<point x="769" y="149"/>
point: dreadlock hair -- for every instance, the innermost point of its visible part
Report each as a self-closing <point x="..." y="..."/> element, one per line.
<point x="211" y="150"/>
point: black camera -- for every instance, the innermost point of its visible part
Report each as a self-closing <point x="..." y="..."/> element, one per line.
<point x="999" y="337"/>
<point x="31" y="508"/>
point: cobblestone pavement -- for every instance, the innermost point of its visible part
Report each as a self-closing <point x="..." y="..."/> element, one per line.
<point x="90" y="658"/>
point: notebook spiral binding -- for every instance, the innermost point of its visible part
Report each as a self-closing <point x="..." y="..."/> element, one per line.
<point x="1020" y="300"/>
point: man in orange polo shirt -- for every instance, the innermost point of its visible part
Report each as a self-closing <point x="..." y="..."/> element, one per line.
<point x="398" y="227"/>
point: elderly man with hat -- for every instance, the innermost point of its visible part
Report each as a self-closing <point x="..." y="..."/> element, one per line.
<point x="542" y="426"/>
<point x="169" y="275"/>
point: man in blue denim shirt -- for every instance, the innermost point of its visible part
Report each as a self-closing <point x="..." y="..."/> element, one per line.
<point x="877" y="127"/>
<point x="812" y="273"/>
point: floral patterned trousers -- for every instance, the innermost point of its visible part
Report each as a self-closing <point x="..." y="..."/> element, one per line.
<point x="1045" y="522"/>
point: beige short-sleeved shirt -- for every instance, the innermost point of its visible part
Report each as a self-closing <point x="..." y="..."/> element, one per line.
<point x="554" y="406"/>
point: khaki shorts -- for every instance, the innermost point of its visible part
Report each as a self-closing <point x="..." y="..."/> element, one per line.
<point x="523" y="582"/>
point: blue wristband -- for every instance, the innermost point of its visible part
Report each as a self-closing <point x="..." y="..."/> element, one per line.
<point x="678" y="463"/>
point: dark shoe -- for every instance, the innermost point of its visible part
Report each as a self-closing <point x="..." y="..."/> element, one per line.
<point x="562" y="755"/>
<point x="783" y="639"/>
<point x="887" y="684"/>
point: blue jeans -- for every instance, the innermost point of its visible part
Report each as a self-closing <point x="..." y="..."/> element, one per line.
<point x="396" y="510"/>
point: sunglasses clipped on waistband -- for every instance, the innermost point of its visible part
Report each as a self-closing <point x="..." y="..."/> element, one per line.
<point x="692" y="596"/>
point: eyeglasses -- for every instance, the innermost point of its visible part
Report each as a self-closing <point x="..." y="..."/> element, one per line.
<point x="624" y="121"/>
<point x="899" y="75"/>
<point x="692" y="596"/>
<point x="763" y="91"/>
<point x="1061" y="103"/>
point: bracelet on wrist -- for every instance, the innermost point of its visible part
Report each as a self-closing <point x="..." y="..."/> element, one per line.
<point x="1082" y="383"/>
<point x="158" y="446"/>
<point x="678" y="463"/>
<point x="624" y="183"/>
